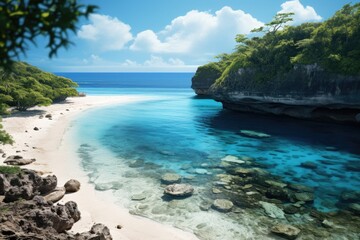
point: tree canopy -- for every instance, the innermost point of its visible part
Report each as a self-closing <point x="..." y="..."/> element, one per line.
<point x="333" y="45"/>
<point x="21" y="21"/>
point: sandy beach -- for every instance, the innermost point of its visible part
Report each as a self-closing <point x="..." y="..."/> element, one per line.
<point x="51" y="146"/>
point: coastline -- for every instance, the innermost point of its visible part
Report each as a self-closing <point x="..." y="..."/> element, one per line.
<point x="51" y="147"/>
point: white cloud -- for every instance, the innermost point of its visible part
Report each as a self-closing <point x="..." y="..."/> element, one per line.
<point x="198" y="33"/>
<point x="156" y="61"/>
<point x="302" y="14"/>
<point x="107" y="32"/>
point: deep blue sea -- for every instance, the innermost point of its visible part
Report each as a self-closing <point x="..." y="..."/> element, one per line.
<point x="125" y="149"/>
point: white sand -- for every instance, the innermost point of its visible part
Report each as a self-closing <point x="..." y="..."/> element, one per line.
<point x="54" y="153"/>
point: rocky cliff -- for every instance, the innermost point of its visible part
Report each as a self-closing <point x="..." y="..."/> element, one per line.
<point x="307" y="92"/>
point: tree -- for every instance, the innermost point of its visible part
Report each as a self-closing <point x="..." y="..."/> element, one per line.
<point x="278" y="22"/>
<point x="21" y="21"/>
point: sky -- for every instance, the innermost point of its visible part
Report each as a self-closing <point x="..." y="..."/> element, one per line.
<point x="167" y="35"/>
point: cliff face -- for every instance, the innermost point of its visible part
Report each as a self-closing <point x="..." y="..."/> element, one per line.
<point x="306" y="92"/>
<point x="205" y="76"/>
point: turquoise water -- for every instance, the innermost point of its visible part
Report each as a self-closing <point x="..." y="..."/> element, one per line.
<point x="126" y="149"/>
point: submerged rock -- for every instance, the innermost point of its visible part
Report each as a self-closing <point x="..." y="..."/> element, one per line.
<point x="272" y="210"/>
<point x="254" y="134"/>
<point x="232" y="159"/>
<point x="138" y="197"/>
<point x="304" y="196"/>
<point x="170" y="178"/>
<point x="308" y="165"/>
<point x="354" y="208"/>
<point x="222" y="205"/>
<point x="179" y="190"/>
<point x="286" y="231"/>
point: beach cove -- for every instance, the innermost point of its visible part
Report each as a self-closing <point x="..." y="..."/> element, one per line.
<point x="54" y="154"/>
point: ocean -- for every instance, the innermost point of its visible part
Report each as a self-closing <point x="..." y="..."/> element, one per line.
<point x="126" y="149"/>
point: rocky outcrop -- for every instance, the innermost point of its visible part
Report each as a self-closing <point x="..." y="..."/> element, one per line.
<point x="179" y="190"/>
<point x="205" y="77"/>
<point x="305" y="92"/>
<point x="27" y="211"/>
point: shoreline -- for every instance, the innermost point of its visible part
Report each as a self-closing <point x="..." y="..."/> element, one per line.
<point x="51" y="147"/>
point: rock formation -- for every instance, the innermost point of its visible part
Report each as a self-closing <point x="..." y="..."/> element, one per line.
<point x="306" y="92"/>
<point x="27" y="211"/>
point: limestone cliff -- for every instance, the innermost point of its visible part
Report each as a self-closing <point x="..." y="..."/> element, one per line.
<point x="307" y="92"/>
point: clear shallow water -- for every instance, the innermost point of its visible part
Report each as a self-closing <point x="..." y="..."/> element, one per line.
<point x="126" y="149"/>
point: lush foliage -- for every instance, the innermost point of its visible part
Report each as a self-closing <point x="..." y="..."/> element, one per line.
<point x="10" y="170"/>
<point x="22" y="20"/>
<point x="26" y="86"/>
<point x="333" y="45"/>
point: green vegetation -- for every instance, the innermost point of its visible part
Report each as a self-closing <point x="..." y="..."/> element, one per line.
<point x="333" y="45"/>
<point x="22" y="20"/>
<point x="25" y="86"/>
<point x="10" y="170"/>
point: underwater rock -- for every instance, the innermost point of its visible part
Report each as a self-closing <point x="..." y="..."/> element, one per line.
<point x="354" y="208"/>
<point x="232" y="159"/>
<point x="137" y="163"/>
<point x="222" y="205"/>
<point x="138" y="197"/>
<point x="275" y="183"/>
<point x="277" y="193"/>
<point x="244" y="172"/>
<point x="170" y="178"/>
<point x="350" y="197"/>
<point x="216" y="191"/>
<point x="272" y="210"/>
<point x="179" y="190"/>
<point x="290" y="209"/>
<point x="201" y="171"/>
<point x="300" y="188"/>
<point x="254" y="134"/>
<point x="72" y="186"/>
<point x="308" y="165"/>
<point x="286" y="231"/>
<point x="353" y="166"/>
<point x="304" y="197"/>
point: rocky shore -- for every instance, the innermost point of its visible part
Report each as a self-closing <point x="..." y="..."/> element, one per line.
<point x="28" y="209"/>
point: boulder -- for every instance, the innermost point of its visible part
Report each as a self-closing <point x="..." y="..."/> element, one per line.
<point x="170" y="178"/>
<point x="272" y="210"/>
<point x="36" y="129"/>
<point x="72" y="186"/>
<point x="277" y="193"/>
<point x="286" y="231"/>
<point x="15" y="193"/>
<point x="47" y="184"/>
<point x="179" y="190"/>
<point x="17" y="160"/>
<point x="222" y="205"/>
<point x="98" y="232"/>
<point x="55" y="195"/>
<point x="300" y="188"/>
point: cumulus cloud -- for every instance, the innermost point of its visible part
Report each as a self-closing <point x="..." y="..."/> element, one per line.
<point x="156" y="61"/>
<point x="198" y="32"/>
<point x="302" y="14"/>
<point x="107" y="32"/>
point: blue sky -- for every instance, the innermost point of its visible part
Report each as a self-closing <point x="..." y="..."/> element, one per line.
<point x="167" y="35"/>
